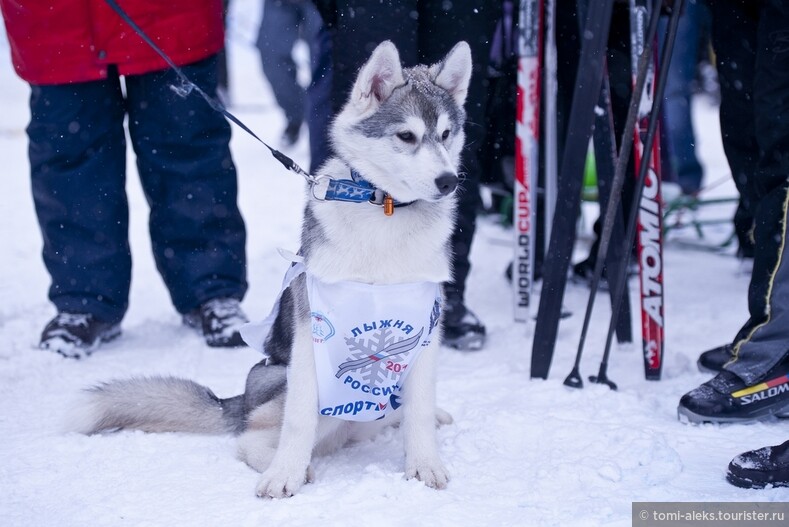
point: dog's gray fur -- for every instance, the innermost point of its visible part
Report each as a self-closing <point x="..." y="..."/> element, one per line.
<point x="402" y="130"/>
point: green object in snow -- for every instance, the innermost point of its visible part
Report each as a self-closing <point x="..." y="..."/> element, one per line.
<point x="590" y="177"/>
<point x="590" y="170"/>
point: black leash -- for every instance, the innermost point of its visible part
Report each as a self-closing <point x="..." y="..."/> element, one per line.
<point x="187" y="86"/>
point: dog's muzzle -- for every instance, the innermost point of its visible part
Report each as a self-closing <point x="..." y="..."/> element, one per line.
<point x="447" y="183"/>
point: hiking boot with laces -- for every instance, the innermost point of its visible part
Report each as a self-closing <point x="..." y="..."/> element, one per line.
<point x="462" y="329"/>
<point x="219" y="320"/>
<point x="76" y="335"/>
<point x="756" y="469"/>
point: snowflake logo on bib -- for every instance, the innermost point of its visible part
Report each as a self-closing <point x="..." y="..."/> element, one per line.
<point x="378" y="357"/>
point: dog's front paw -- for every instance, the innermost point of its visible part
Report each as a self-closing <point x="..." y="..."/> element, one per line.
<point x="443" y="417"/>
<point x="283" y="483"/>
<point x="430" y="472"/>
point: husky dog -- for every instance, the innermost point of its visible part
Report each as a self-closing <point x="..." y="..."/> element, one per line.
<point x="400" y="136"/>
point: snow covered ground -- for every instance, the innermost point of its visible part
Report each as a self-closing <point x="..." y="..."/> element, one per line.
<point x="521" y="452"/>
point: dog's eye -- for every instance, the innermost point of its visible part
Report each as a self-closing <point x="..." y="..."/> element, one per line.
<point x="445" y="135"/>
<point x="407" y="137"/>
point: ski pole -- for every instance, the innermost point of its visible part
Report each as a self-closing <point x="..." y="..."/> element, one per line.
<point x="573" y="380"/>
<point x="665" y="61"/>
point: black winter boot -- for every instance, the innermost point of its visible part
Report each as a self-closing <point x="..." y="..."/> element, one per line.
<point x="712" y="361"/>
<point x="219" y="320"/>
<point x="76" y="335"/>
<point x="462" y="329"/>
<point x="756" y="469"/>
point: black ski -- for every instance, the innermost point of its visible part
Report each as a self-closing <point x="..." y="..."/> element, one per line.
<point x="579" y="131"/>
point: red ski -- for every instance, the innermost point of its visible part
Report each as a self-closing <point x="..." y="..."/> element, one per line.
<point x="650" y="214"/>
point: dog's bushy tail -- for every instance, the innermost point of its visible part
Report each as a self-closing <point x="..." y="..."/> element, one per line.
<point x="155" y="404"/>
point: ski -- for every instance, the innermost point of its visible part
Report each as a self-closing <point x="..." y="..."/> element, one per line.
<point x="527" y="148"/>
<point x="579" y="130"/>
<point x="650" y="218"/>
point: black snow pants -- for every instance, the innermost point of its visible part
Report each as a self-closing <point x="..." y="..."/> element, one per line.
<point x="751" y="40"/>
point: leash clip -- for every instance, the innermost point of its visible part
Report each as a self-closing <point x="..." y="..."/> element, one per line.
<point x="315" y="181"/>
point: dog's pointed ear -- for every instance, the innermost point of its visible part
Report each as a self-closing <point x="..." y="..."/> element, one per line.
<point x="379" y="76"/>
<point x="454" y="72"/>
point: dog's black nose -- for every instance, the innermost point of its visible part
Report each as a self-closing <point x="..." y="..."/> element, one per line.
<point x="446" y="183"/>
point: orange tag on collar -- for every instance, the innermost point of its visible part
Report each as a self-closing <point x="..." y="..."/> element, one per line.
<point x="388" y="205"/>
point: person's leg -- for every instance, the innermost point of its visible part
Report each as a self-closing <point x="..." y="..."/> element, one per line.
<point x="441" y="26"/>
<point x="362" y="25"/>
<point x="310" y="24"/>
<point x="189" y="179"/>
<point x="77" y="159"/>
<point x="319" y="108"/>
<point x="764" y="340"/>
<point x="755" y="383"/>
<point x="733" y="32"/>
<point x="279" y="30"/>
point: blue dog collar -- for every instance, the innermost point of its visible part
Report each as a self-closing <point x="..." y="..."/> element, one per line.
<point x="354" y="190"/>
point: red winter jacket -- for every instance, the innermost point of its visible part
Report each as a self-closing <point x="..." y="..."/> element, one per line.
<point x="64" y="41"/>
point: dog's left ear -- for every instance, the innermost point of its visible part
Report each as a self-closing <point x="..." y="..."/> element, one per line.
<point x="379" y="76"/>
<point x="454" y="72"/>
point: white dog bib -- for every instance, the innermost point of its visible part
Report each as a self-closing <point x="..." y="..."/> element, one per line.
<point x="365" y="339"/>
